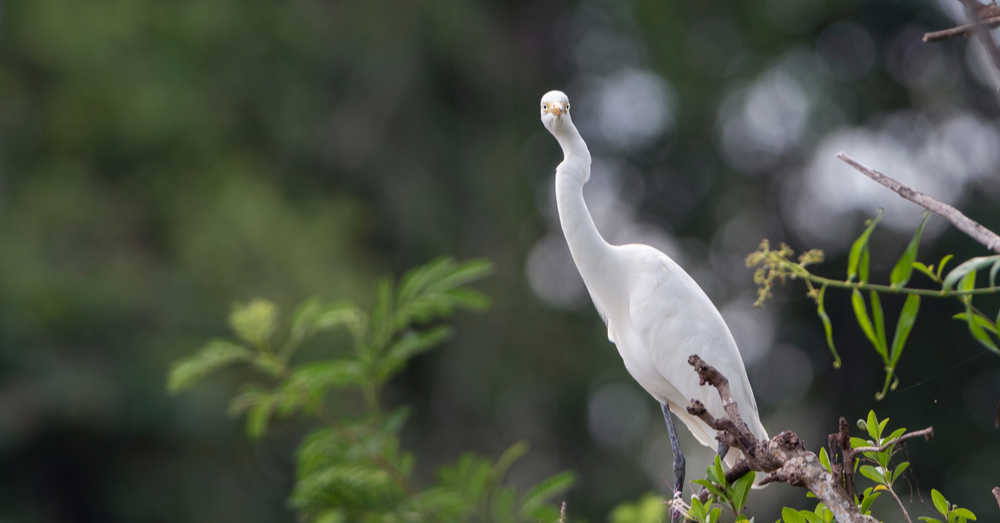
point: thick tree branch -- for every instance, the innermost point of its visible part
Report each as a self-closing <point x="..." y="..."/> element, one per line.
<point x="960" y="221"/>
<point x="784" y="457"/>
<point x="961" y="30"/>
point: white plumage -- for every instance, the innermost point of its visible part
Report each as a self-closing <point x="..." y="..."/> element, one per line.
<point x="656" y="314"/>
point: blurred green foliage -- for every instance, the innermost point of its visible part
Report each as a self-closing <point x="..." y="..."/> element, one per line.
<point x="351" y="467"/>
<point x="160" y="160"/>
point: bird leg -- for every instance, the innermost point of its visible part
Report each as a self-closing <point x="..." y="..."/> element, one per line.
<point x="675" y="446"/>
<point x="723" y="450"/>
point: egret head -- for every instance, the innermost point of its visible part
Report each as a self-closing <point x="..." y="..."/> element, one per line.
<point x="555" y="110"/>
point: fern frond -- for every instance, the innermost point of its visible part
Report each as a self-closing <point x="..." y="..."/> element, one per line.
<point x="215" y="355"/>
<point x="540" y="493"/>
<point x="351" y="486"/>
<point x="408" y="346"/>
<point x="316" y="377"/>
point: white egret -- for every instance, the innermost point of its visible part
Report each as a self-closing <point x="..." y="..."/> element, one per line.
<point x="656" y="314"/>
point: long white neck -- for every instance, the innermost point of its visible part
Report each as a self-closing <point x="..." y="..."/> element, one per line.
<point x="590" y="251"/>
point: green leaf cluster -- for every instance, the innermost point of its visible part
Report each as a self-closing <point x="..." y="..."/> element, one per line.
<point x="776" y="266"/>
<point x="881" y="470"/>
<point x="951" y="513"/>
<point x="731" y="495"/>
<point x="351" y="466"/>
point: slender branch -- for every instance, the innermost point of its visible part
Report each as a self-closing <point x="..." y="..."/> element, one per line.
<point x="895" y="290"/>
<point x="927" y="433"/>
<point x="901" y="507"/>
<point x="960" y="221"/>
<point x="961" y="30"/>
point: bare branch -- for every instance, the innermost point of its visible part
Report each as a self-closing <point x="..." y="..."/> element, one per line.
<point x="961" y="30"/>
<point x="960" y="221"/>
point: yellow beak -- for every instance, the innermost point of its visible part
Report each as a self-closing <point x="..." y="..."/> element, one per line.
<point x="555" y="110"/>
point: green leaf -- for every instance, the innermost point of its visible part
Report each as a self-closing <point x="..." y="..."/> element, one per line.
<point x="861" y="313"/>
<point x="720" y="473"/>
<point x="215" y="355"/>
<point x="810" y="516"/>
<point x="977" y="331"/>
<point x="874" y="429"/>
<point x="509" y="456"/>
<point x="304" y="316"/>
<point x="929" y="520"/>
<point x="895" y="434"/>
<point x="940" y="503"/>
<point x="827" y="326"/>
<point x="340" y="314"/>
<point x="409" y="345"/>
<point x="993" y="274"/>
<point x="983" y="322"/>
<point x="904" y="325"/>
<point x="873" y="474"/>
<point x="965" y="513"/>
<point x="866" y="503"/>
<point x="710" y="487"/>
<point x="824" y="460"/>
<point x="904" y="267"/>
<point x="860" y="245"/>
<point x="878" y="318"/>
<point x="317" y="377"/>
<point x="964" y="269"/>
<point x="944" y="261"/>
<point x="864" y="264"/>
<point x="698" y="509"/>
<point x="713" y="517"/>
<point x="254" y="322"/>
<point x="929" y="271"/>
<point x="259" y="416"/>
<point x="348" y="486"/>
<point x="899" y="470"/>
<point x="548" y="488"/>
<point x="790" y="515"/>
<point x="742" y="489"/>
<point x="857" y="443"/>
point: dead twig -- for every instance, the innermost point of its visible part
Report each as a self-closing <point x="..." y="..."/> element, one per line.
<point x="962" y="30"/>
<point x="962" y="222"/>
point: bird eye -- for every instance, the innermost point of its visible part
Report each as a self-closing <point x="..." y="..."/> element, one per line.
<point x="545" y="107"/>
<point x="567" y="106"/>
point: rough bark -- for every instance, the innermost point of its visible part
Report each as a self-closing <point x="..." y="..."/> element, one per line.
<point x="784" y="457"/>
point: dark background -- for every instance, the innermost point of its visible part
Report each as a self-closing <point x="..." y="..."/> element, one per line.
<point x="159" y="160"/>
